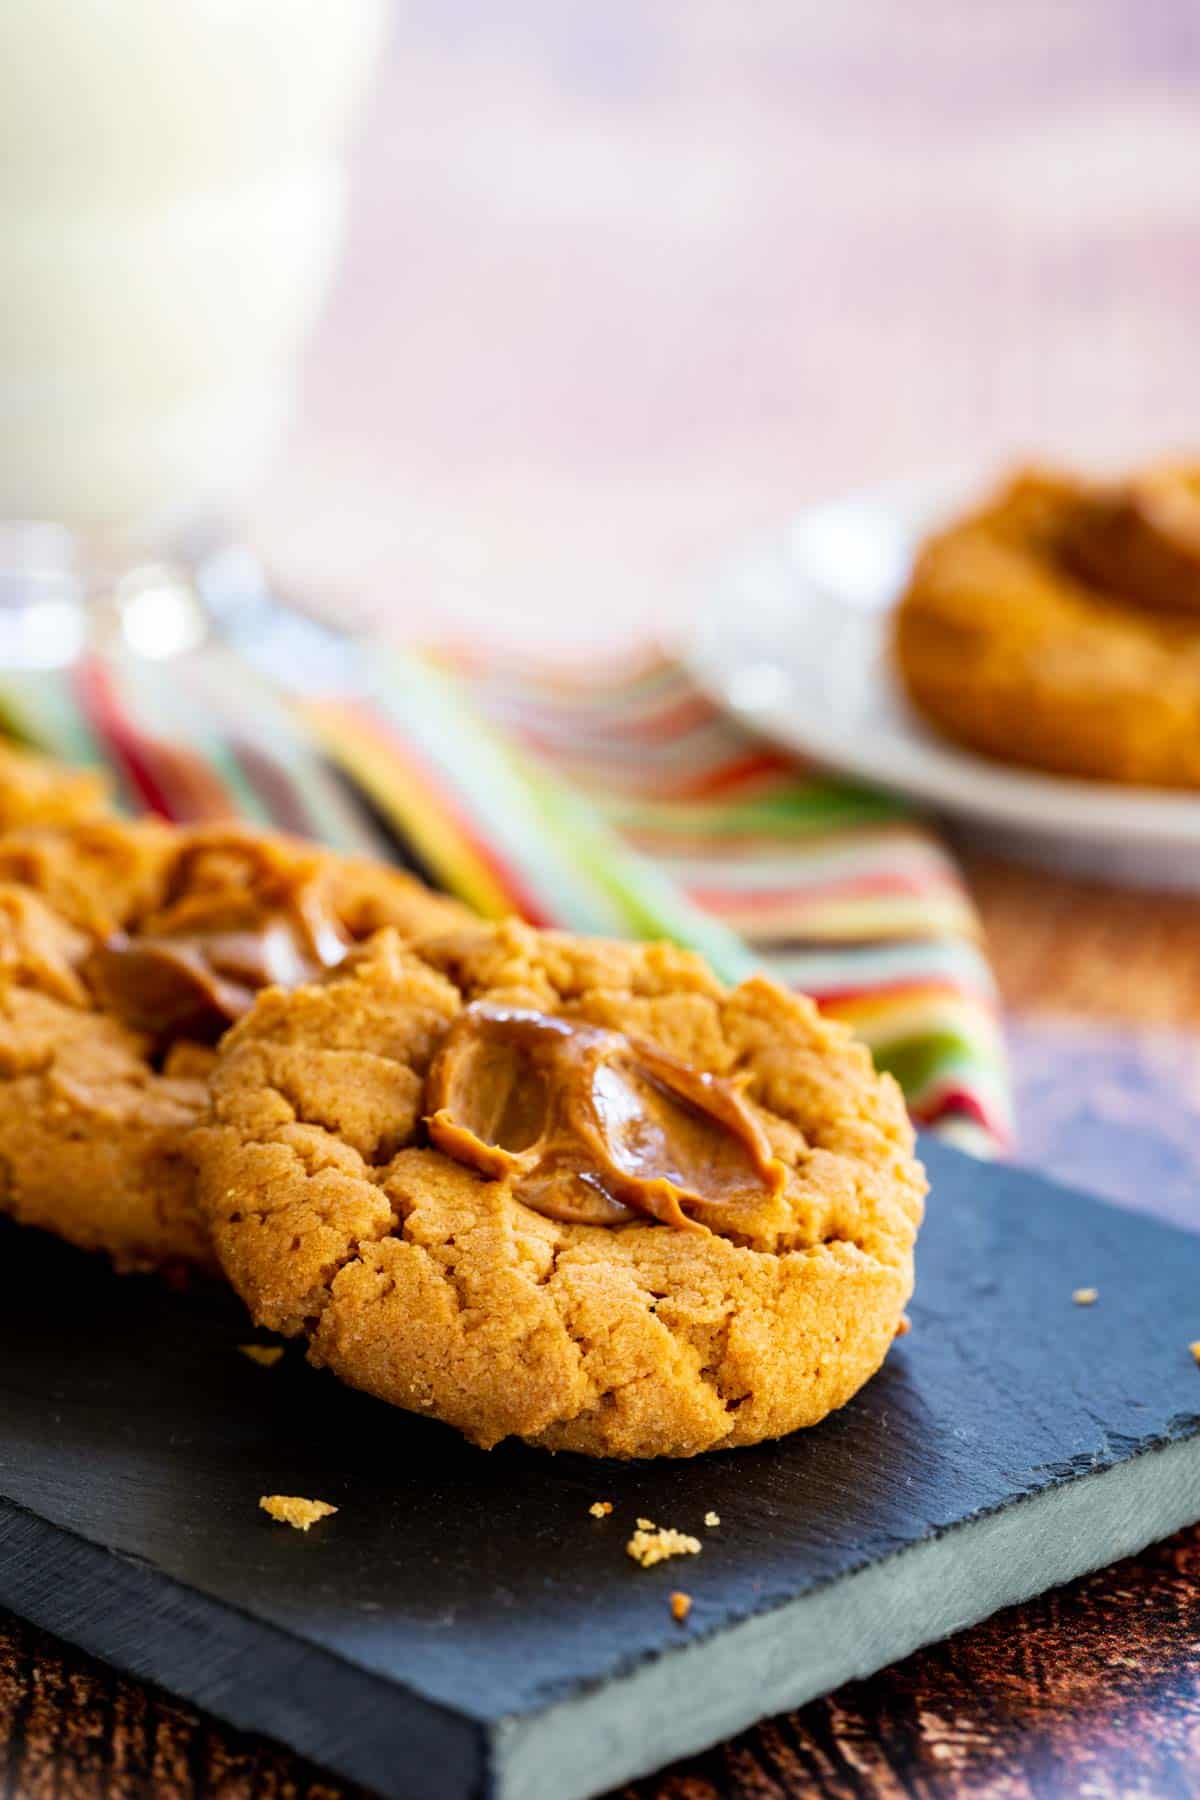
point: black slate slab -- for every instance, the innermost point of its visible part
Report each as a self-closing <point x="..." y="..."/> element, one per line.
<point x="464" y="1627"/>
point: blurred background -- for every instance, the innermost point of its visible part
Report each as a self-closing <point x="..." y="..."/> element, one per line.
<point x="625" y="283"/>
<point x="622" y="283"/>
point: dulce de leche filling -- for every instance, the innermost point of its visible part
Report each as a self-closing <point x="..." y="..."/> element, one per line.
<point x="593" y="1127"/>
<point x="201" y="969"/>
<point x="1141" y="539"/>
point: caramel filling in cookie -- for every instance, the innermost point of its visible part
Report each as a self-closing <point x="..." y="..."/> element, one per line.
<point x="1141" y="539"/>
<point x="202" y="972"/>
<point x="591" y="1126"/>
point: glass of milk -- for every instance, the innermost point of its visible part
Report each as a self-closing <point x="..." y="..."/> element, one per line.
<point x="172" y="183"/>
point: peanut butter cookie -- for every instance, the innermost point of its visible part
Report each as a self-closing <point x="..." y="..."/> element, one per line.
<point x="564" y="1189"/>
<point x="126" y="949"/>
<point x="1141" y="537"/>
<point x="36" y="790"/>
<point x="1059" y="627"/>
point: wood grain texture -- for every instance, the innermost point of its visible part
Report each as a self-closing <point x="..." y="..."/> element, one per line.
<point x="72" y="1728"/>
<point x="1094" y="1689"/>
<point x="1107" y="955"/>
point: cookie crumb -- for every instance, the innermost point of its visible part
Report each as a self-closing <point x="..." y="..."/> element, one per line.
<point x="1195" y="1349"/>
<point x="904" y="1325"/>
<point x="1086" y="1296"/>
<point x="290" y="1509"/>
<point x="681" y="1606"/>
<point x="600" y="1509"/>
<point x="711" y="1519"/>
<point x="265" y="1355"/>
<point x="645" y="1525"/>
<point x="648" y="1546"/>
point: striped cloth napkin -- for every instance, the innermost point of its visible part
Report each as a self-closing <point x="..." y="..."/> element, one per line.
<point x="619" y="802"/>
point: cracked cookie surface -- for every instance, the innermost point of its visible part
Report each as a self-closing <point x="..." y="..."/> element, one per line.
<point x="1059" y="627"/>
<point x="110" y="1006"/>
<point x="430" y="1284"/>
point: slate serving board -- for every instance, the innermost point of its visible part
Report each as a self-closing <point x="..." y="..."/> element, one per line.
<point x="463" y="1627"/>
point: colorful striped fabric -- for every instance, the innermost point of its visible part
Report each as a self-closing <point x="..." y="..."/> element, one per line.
<point x="622" y="804"/>
<point x="626" y="803"/>
<point x="201" y="738"/>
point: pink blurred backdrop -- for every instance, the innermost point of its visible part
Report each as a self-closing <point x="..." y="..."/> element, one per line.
<point x="628" y="282"/>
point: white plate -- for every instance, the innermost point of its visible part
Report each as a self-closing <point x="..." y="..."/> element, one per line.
<point x="792" y="639"/>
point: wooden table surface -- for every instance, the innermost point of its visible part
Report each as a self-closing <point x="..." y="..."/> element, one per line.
<point x="625" y="284"/>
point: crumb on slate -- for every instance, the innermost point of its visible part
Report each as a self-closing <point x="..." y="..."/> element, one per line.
<point x="1086" y="1296"/>
<point x="1195" y="1349"/>
<point x="681" y="1606"/>
<point x="903" y="1326"/>
<point x="711" y="1519"/>
<point x="654" y="1546"/>
<point x="290" y="1509"/>
<point x="600" y="1509"/>
<point x="265" y="1355"/>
